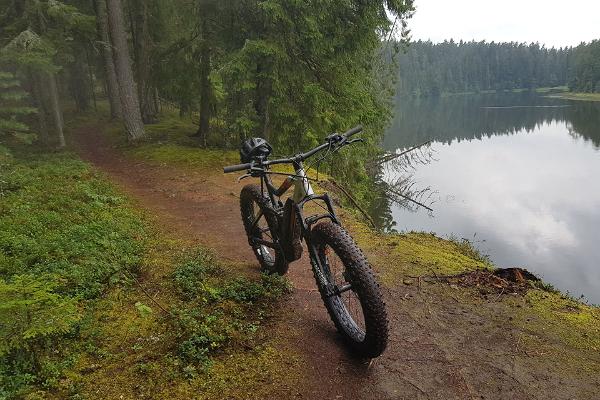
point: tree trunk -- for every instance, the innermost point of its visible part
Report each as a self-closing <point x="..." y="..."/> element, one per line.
<point x="127" y="88"/>
<point x="142" y="45"/>
<point x="39" y="103"/>
<point x="55" y="109"/>
<point x="112" y="85"/>
<point x="261" y="103"/>
<point x="205" y="95"/>
<point x="92" y="81"/>
<point x="79" y="83"/>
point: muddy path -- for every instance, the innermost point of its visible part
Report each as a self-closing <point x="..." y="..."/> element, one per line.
<point x="441" y="346"/>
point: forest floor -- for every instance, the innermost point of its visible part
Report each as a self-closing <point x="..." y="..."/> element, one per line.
<point x="449" y="338"/>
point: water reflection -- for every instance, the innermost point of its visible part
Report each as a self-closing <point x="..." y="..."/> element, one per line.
<point x="478" y="116"/>
<point x="521" y="181"/>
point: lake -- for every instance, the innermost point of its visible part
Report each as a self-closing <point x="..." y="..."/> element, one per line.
<point x="517" y="174"/>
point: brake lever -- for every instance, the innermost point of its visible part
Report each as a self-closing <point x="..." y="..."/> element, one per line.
<point x="244" y="177"/>
<point x="349" y="142"/>
<point x="355" y="140"/>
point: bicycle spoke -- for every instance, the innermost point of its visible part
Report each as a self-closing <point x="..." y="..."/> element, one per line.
<point x="256" y="218"/>
<point x="260" y="231"/>
<point x="344" y="289"/>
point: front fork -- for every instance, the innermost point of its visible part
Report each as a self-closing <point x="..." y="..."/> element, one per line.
<point x="317" y="267"/>
<point x="327" y="288"/>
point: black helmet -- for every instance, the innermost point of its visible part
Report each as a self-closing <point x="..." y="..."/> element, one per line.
<point x="254" y="148"/>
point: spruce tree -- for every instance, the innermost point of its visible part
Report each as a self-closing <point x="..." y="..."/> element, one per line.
<point x="13" y="109"/>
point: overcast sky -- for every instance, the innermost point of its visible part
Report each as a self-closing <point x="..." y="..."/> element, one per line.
<point x="550" y="22"/>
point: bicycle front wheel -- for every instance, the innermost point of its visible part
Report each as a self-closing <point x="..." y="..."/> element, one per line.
<point x="352" y="297"/>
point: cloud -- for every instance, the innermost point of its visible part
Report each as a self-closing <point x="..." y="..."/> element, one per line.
<point x="550" y="22"/>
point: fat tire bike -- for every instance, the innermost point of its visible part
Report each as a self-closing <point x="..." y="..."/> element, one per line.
<point x="275" y="230"/>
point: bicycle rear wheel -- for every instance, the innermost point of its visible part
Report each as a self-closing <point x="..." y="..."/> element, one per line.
<point x="352" y="297"/>
<point x="261" y="223"/>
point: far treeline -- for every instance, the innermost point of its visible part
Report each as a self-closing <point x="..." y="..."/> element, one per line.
<point x="584" y="74"/>
<point x="428" y="69"/>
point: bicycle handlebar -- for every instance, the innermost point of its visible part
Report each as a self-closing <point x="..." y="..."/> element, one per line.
<point x="353" y="131"/>
<point x="302" y="156"/>
<point x="238" y="167"/>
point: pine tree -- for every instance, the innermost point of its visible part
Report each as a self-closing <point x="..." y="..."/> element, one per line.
<point x="112" y="85"/>
<point x="30" y="311"/>
<point x="13" y="109"/>
<point x="127" y="87"/>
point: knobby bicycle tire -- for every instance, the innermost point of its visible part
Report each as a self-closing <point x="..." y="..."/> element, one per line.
<point x="369" y="340"/>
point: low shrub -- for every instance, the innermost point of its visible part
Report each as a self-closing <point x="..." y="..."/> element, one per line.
<point x="218" y="311"/>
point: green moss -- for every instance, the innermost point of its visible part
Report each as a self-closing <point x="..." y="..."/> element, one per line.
<point x="62" y="217"/>
<point x="211" y="344"/>
<point x="256" y="374"/>
<point x="69" y="236"/>
<point x="573" y="323"/>
<point x="202" y="160"/>
<point x="414" y="254"/>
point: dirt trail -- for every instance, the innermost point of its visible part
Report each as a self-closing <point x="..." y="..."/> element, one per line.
<point x="438" y="350"/>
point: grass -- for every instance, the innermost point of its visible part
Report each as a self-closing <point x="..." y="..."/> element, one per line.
<point x="66" y="236"/>
<point x="87" y="260"/>
<point x="405" y="255"/>
<point x="212" y="344"/>
<point x="576" y="96"/>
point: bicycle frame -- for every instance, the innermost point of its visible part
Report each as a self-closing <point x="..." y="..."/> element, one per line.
<point x="303" y="193"/>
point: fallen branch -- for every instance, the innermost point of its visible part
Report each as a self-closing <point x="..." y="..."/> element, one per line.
<point x="409" y="199"/>
<point x="147" y="294"/>
<point x="389" y="157"/>
<point x="353" y="201"/>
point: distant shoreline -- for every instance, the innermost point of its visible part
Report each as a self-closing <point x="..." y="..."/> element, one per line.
<point x="576" y="96"/>
<point x="558" y="90"/>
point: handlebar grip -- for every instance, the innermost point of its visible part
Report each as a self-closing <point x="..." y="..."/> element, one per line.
<point x="353" y="131"/>
<point x="238" y="167"/>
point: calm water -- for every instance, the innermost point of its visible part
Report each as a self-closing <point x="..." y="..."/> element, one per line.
<point x="517" y="174"/>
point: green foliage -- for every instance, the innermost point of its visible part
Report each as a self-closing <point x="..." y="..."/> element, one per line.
<point x="57" y="213"/>
<point x="292" y="72"/>
<point x="13" y="110"/>
<point x="428" y="69"/>
<point x="30" y="50"/>
<point x="30" y="310"/>
<point x="65" y="235"/>
<point x="289" y="71"/>
<point x="191" y="275"/>
<point x="218" y="311"/>
<point x="143" y="309"/>
<point x="585" y="71"/>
